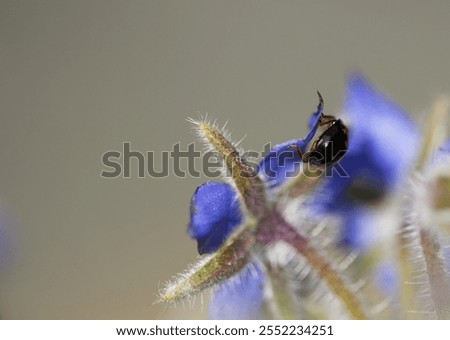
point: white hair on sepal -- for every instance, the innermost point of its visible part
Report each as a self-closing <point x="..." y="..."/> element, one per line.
<point x="238" y="143"/>
<point x="208" y="146"/>
<point x="204" y="119"/>
<point x="179" y="288"/>
<point x="236" y="279"/>
<point x="409" y="235"/>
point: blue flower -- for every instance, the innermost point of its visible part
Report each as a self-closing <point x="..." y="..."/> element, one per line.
<point x="383" y="145"/>
<point x="215" y="213"/>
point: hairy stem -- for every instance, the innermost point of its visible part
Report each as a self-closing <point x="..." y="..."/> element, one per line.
<point x="222" y="265"/>
<point x="326" y="271"/>
<point x="247" y="182"/>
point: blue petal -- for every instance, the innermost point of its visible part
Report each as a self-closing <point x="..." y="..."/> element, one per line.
<point x="314" y="120"/>
<point x="383" y="145"/>
<point x="381" y="131"/>
<point x="359" y="230"/>
<point x="240" y="297"/>
<point x="282" y="162"/>
<point x="215" y="213"/>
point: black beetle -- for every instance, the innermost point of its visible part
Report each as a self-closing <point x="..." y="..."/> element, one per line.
<point x="330" y="146"/>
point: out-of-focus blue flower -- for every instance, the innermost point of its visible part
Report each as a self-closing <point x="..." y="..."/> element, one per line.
<point x="215" y="213"/>
<point x="383" y="145"/>
<point x="240" y="297"/>
<point x="359" y="231"/>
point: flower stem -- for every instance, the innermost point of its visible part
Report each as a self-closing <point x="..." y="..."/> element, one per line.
<point x="287" y="233"/>
<point x="222" y="265"/>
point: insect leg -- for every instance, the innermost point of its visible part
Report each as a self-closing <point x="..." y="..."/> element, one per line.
<point x="307" y="155"/>
<point x="299" y="151"/>
<point x="325" y="119"/>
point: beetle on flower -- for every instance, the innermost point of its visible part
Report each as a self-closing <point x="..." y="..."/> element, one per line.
<point x="311" y="234"/>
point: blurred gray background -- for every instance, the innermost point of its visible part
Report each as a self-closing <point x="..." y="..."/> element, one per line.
<point x="79" y="78"/>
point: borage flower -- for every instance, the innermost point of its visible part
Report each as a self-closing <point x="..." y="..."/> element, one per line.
<point x="294" y="237"/>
